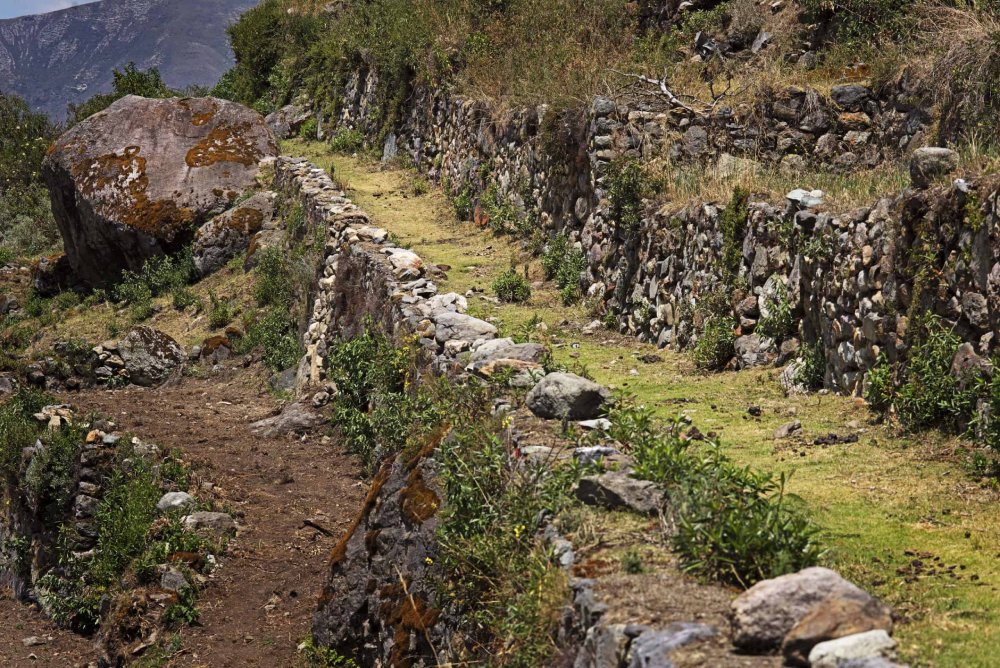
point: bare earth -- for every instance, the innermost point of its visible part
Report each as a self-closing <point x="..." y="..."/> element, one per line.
<point x="257" y="606"/>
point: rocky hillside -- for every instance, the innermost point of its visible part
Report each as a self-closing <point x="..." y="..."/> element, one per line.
<point x="66" y="57"/>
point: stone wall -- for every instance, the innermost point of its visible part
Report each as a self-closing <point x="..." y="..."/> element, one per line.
<point x="849" y="276"/>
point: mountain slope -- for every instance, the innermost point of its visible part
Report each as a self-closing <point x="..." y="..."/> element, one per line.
<point x="68" y="56"/>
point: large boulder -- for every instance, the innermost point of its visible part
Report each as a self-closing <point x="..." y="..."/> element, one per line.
<point x="229" y="234"/>
<point x="566" y="395"/>
<point x="139" y="178"/>
<point x="764" y="614"/>
<point x="151" y="357"/>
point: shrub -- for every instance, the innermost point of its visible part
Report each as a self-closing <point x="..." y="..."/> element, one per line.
<point x="158" y="276"/>
<point x="811" y="372"/>
<point x="733" y="524"/>
<point x="462" y="202"/>
<point x="627" y="186"/>
<point x="879" y="385"/>
<point x="715" y="346"/>
<point x="276" y="334"/>
<point x="309" y="129"/>
<point x="500" y="213"/>
<point x="733" y="221"/>
<point x="273" y="279"/>
<point x="347" y="141"/>
<point x="130" y="80"/>
<point x="779" y="323"/>
<point x="565" y="264"/>
<point x="220" y="312"/>
<point x="929" y="394"/>
<point x="512" y="287"/>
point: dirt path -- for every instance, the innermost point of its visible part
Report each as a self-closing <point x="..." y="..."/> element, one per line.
<point x="258" y="605"/>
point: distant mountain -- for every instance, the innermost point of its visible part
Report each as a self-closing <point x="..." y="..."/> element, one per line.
<point x="68" y="56"/>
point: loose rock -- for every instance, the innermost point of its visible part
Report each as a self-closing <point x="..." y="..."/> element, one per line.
<point x="567" y="396"/>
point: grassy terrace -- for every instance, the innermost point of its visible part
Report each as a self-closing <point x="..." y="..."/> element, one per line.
<point x="900" y="514"/>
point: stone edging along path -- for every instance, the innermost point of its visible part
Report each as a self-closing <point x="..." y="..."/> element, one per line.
<point x="363" y="279"/>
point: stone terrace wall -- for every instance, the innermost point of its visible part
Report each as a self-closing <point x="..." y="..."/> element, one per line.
<point x="849" y="277"/>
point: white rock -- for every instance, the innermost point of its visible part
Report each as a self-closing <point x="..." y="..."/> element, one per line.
<point x="174" y="501"/>
<point x="831" y="653"/>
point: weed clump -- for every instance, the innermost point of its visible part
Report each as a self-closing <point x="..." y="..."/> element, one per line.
<point x="564" y="263"/>
<point x="158" y="276"/>
<point x="511" y="287"/>
<point x="733" y="524"/>
<point x="347" y="141"/>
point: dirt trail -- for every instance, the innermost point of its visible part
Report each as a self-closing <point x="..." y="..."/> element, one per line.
<point x="258" y="605"/>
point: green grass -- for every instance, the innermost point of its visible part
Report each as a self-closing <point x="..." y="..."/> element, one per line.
<point x="874" y="500"/>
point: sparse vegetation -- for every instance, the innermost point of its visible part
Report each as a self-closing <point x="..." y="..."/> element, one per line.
<point x="733" y="524"/>
<point x="512" y="287"/>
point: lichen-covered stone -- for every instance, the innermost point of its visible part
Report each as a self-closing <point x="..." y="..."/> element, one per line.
<point x="139" y="178"/>
<point x="150" y="356"/>
<point x="229" y="234"/>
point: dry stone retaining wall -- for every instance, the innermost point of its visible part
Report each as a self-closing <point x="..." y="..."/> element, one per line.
<point x="850" y="277"/>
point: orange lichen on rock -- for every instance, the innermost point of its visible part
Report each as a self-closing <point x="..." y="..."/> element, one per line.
<point x="420" y="503"/>
<point x="225" y="144"/>
<point x="118" y="185"/>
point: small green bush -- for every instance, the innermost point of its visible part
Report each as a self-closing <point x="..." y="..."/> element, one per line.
<point x="929" y="394"/>
<point x="462" y="202"/>
<point x="276" y="334"/>
<point x="812" y="370"/>
<point x="879" y="385"/>
<point x="158" y="276"/>
<point x="716" y="344"/>
<point x="733" y="524"/>
<point x="779" y="323"/>
<point x="500" y="213"/>
<point x="273" y="279"/>
<point x="221" y="311"/>
<point x="347" y="141"/>
<point x="733" y="221"/>
<point x="309" y="129"/>
<point x="511" y="287"/>
<point x="627" y="186"/>
<point x="564" y="263"/>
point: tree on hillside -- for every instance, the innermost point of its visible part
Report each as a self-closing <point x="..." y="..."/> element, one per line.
<point x="130" y="80"/>
<point x="268" y="42"/>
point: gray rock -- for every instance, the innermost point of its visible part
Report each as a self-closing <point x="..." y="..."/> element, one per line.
<point x="966" y="364"/>
<point x="7" y="385"/>
<point x="173" y="579"/>
<point x="450" y="326"/>
<point x="285" y="122"/>
<point x="869" y="645"/>
<point x="605" y="645"/>
<point x="618" y="491"/>
<point x="505" y="348"/>
<point x="214" y="524"/>
<point x="134" y="181"/>
<point x="652" y="648"/>
<point x="754" y="350"/>
<point x="786" y="430"/>
<point x="174" y="501"/>
<point x="567" y="396"/>
<point x="764" y="614"/>
<point x="229" y="234"/>
<point x="151" y="357"/>
<point x="296" y="418"/>
<point x="930" y="163"/>
<point x="851" y="97"/>
<point x="695" y="141"/>
<point x="871" y="662"/>
<point x="976" y="309"/>
<point x="806" y="199"/>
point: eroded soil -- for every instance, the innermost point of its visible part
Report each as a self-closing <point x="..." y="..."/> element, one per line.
<point x="257" y="606"/>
